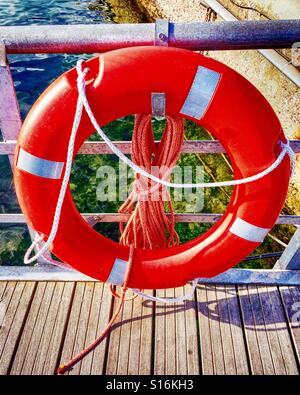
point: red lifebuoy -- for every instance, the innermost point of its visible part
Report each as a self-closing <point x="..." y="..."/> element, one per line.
<point x="120" y="83"/>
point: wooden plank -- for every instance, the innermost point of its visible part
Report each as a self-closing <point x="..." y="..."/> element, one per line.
<point x="141" y="336"/>
<point x="88" y="317"/>
<point x="135" y="341"/>
<point x="270" y="328"/>
<point x="114" y="341"/>
<point x="227" y="341"/>
<point x="291" y="302"/>
<point x="3" y="304"/>
<point x="32" y="333"/>
<point x="88" y="328"/>
<point x="122" y="361"/>
<point x="234" y="349"/>
<point x="45" y="361"/>
<point x="119" y="217"/>
<point x="95" y="294"/>
<point x="17" y="298"/>
<point x="164" y="321"/>
<point x="159" y="336"/>
<point x="3" y="285"/>
<point x="192" y="343"/>
<point x="176" y="342"/>
<point x="187" y="347"/>
<point x="99" y="354"/>
<point x="259" y="350"/>
<point x="82" y="326"/>
<point x="99" y="318"/>
<point x="204" y="331"/>
<point x="274" y="303"/>
<point x="237" y="333"/>
<point x="171" y="336"/>
<point x="223" y="349"/>
<point x="73" y="324"/>
<point x="215" y="331"/>
<point x="7" y="293"/>
<point x="130" y="341"/>
<point x="181" y="331"/>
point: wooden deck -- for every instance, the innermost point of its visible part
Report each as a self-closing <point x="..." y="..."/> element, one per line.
<point x="224" y="330"/>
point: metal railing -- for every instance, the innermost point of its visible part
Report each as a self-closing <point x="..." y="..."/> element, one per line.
<point x="94" y="38"/>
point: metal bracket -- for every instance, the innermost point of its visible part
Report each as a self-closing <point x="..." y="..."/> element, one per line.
<point x="92" y="220"/>
<point x="3" y="60"/>
<point x="162" y="32"/>
<point x="158" y="101"/>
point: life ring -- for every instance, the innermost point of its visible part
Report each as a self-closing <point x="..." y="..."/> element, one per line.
<point x="120" y="83"/>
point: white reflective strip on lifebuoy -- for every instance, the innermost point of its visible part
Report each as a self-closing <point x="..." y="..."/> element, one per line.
<point x="201" y="93"/>
<point x="38" y="166"/>
<point x="118" y="272"/>
<point x="247" y="231"/>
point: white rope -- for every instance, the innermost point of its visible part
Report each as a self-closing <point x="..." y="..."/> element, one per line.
<point x="83" y="102"/>
<point x="285" y="150"/>
<point x="169" y="300"/>
<point x="47" y="258"/>
<point x="65" y="182"/>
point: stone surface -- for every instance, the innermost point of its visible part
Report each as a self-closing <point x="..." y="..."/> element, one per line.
<point x="283" y="95"/>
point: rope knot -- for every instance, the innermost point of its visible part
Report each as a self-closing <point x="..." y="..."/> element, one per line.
<point x="287" y="149"/>
<point x="149" y="226"/>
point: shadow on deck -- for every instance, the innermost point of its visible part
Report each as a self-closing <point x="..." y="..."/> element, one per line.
<point x="224" y="330"/>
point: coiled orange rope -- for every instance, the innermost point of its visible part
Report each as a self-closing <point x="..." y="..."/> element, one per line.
<point x="148" y="225"/>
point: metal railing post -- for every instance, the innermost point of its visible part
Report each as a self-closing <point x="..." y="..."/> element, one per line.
<point x="10" y="117"/>
<point x="290" y="259"/>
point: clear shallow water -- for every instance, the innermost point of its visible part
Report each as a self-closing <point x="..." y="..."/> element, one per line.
<point x="33" y="73"/>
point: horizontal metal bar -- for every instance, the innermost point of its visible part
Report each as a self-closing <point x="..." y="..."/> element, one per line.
<point x="232" y="276"/>
<point x="180" y="217"/>
<point x="267" y="255"/>
<point x="100" y="147"/>
<point x="40" y="273"/>
<point x="188" y="147"/>
<point x="220" y="35"/>
<point x="255" y="277"/>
